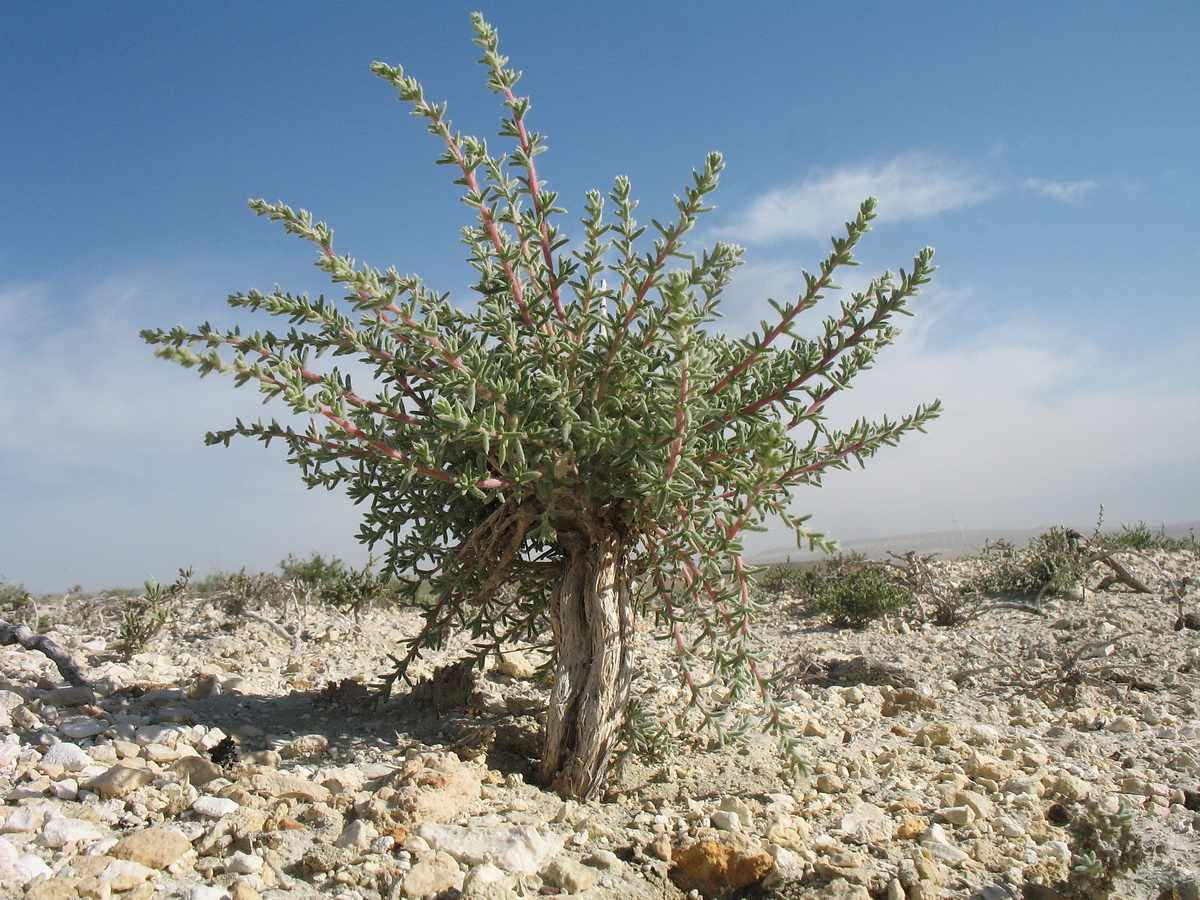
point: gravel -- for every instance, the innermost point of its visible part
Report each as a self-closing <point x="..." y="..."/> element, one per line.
<point x="942" y="759"/>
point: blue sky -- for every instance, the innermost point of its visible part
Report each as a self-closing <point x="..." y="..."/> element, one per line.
<point x="1049" y="152"/>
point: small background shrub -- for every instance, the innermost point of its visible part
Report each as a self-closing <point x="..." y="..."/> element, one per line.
<point x="16" y="606"/>
<point x="1052" y="562"/>
<point x="143" y="617"/>
<point x="854" y="591"/>
<point x="1104" y="846"/>
<point x="1140" y="537"/>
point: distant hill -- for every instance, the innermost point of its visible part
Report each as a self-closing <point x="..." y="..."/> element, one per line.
<point x="946" y="544"/>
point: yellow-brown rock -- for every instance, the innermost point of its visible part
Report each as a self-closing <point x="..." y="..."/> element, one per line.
<point x="715" y="869"/>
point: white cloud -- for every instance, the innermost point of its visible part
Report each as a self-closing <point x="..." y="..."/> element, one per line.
<point x="910" y="186"/>
<point x="1068" y="193"/>
<point x="1038" y="429"/>
<point x="104" y="476"/>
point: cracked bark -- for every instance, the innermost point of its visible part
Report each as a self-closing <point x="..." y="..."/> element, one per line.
<point x="591" y="613"/>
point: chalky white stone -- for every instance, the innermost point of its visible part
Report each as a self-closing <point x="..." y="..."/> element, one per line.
<point x="215" y="807"/>
<point x="573" y="877"/>
<point x="946" y="854"/>
<point x="28" y="867"/>
<point x="157" y="734"/>
<point x="67" y="789"/>
<point x="868" y="822"/>
<point x="1007" y="827"/>
<point x="243" y="864"/>
<point x="24" y="819"/>
<point x="357" y="835"/>
<point x="739" y="808"/>
<point x="8" y="860"/>
<point x="81" y="727"/>
<point x="725" y="821"/>
<point x="521" y="849"/>
<point x="63" y="830"/>
<point x="70" y="756"/>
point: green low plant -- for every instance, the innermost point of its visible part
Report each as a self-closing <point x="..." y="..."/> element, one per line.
<point x="784" y="578"/>
<point x="16" y="605"/>
<point x="578" y="446"/>
<point x="143" y="617"/>
<point x="1141" y="537"/>
<point x="333" y="582"/>
<point x="1104" y="846"/>
<point x="1051" y="563"/>
<point x="855" y="591"/>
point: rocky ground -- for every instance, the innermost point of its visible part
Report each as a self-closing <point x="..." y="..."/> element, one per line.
<point x="977" y="760"/>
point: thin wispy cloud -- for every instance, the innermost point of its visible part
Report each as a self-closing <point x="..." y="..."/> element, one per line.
<point x="1071" y="192"/>
<point x="910" y="186"/>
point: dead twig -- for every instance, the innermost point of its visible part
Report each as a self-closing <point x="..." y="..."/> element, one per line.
<point x="24" y="635"/>
<point x="277" y="628"/>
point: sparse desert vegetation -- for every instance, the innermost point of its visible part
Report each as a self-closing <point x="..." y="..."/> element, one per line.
<point x="1035" y="743"/>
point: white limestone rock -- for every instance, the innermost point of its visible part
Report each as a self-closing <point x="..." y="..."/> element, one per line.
<point x="520" y="849"/>
<point x="71" y="757"/>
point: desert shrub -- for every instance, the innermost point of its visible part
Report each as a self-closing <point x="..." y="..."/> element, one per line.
<point x="933" y="600"/>
<point x="16" y="605"/>
<point x="1141" y="537"/>
<point x="237" y="592"/>
<point x="336" y="584"/>
<point x="855" y="591"/>
<point x="1055" y="561"/>
<point x="1051" y="563"/>
<point x="1104" y="845"/>
<point x="579" y="444"/>
<point x="211" y="584"/>
<point x="143" y="616"/>
<point x="784" y="579"/>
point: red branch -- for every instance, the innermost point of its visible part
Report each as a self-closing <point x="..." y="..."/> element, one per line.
<point x="536" y="197"/>
<point x="383" y="449"/>
<point x="314" y="378"/>
<point x="806" y="303"/>
<point x="680" y="417"/>
<point x="485" y="214"/>
<point x="651" y="279"/>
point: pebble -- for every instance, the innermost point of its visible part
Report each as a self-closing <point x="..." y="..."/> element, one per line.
<point x="522" y="849"/>
<point x="573" y="877"/>
<point x="715" y="869"/>
<point x="1122" y="725"/>
<point x="1007" y="827"/>
<point x="515" y="665"/>
<point x="357" y="835"/>
<point x="199" y="771"/>
<point x="488" y="882"/>
<point x="76" y="695"/>
<point x="62" y="830"/>
<point x="725" y="821"/>
<point x="957" y="815"/>
<point x="830" y="784"/>
<point x="24" y="819"/>
<point x="120" y="780"/>
<point x="243" y="864"/>
<point x="215" y="807"/>
<point x="153" y="847"/>
<point x="70" y="756"/>
<point x="81" y="727"/>
<point x="915" y="782"/>
<point x="432" y="874"/>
